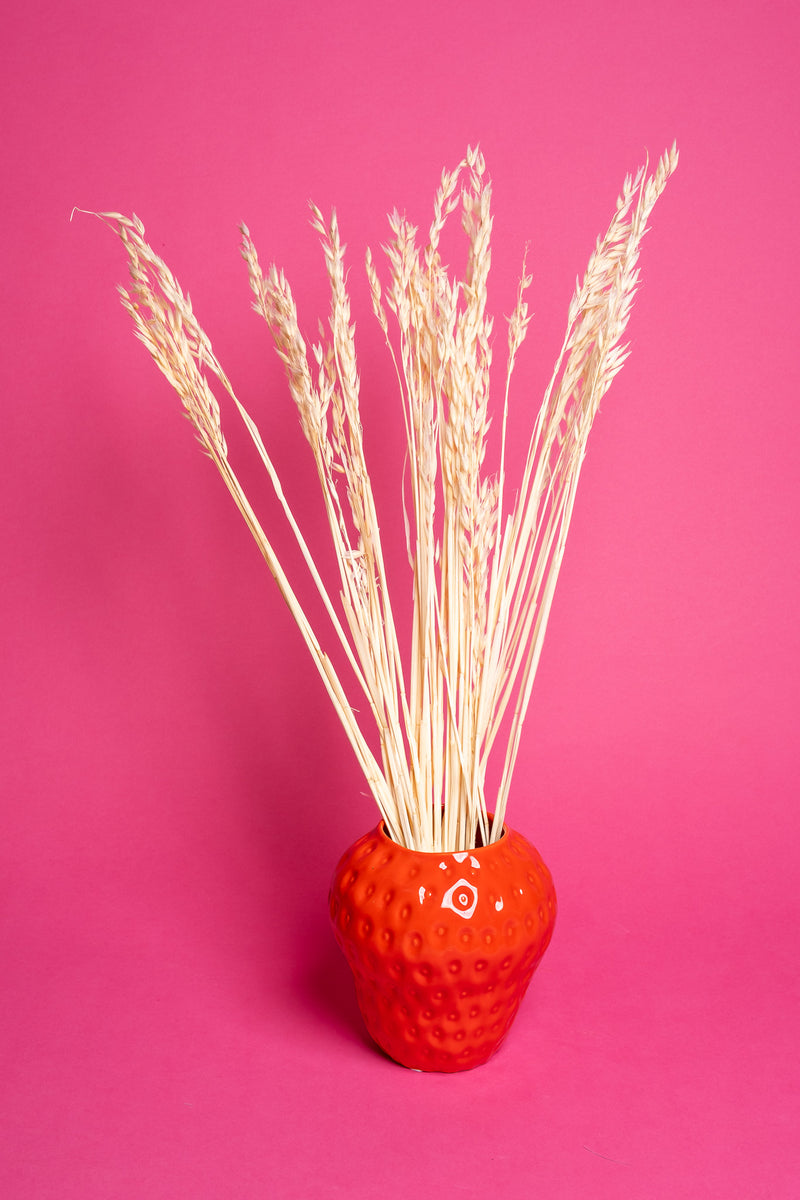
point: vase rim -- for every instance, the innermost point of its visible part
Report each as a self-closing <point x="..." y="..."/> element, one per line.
<point x="383" y="833"/>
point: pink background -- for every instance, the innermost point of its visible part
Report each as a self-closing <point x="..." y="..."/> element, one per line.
<point x="175" y="1019"/>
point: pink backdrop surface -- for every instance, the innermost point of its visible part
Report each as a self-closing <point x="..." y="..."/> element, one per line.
<point x="175" y="1019"/>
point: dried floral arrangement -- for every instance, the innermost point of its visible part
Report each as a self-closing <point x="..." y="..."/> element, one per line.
<point x="483" y="569"/>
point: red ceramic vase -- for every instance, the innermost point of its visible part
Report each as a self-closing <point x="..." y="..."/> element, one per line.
<point x="442" y="946"/>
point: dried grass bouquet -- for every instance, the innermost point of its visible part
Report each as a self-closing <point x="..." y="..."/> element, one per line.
<point x="483" y="568"/>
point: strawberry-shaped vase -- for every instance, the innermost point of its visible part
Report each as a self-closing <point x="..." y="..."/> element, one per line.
<point x="442" y="946"/>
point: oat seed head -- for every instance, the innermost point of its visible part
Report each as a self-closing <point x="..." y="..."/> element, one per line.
<point x="483" y="573"/>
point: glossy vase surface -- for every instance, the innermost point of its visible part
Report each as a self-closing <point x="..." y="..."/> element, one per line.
<point x="442" y="946"/>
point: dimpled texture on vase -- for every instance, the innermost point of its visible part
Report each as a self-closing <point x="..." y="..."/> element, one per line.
<point x="442" y="946"/>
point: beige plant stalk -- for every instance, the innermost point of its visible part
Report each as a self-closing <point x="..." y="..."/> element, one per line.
<point x="483" y="575"/>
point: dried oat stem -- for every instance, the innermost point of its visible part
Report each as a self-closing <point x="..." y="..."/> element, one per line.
<point x="483" y="578"/>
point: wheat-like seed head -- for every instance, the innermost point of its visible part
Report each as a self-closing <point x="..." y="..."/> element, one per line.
<point x="483" y="575"/>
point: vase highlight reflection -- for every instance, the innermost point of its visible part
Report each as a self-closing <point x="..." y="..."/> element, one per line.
<point x="442" y="945"/>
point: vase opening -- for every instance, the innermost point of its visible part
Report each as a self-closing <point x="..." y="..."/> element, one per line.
<point x="478" y="840"/>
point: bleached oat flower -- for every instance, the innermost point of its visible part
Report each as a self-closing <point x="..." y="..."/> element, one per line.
<point x="483" y="570"/>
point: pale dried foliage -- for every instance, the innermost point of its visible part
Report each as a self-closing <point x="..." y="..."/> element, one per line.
<point x="483" y="572"/>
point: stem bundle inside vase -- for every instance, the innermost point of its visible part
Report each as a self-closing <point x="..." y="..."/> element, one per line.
<point x="484" y="551"/>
